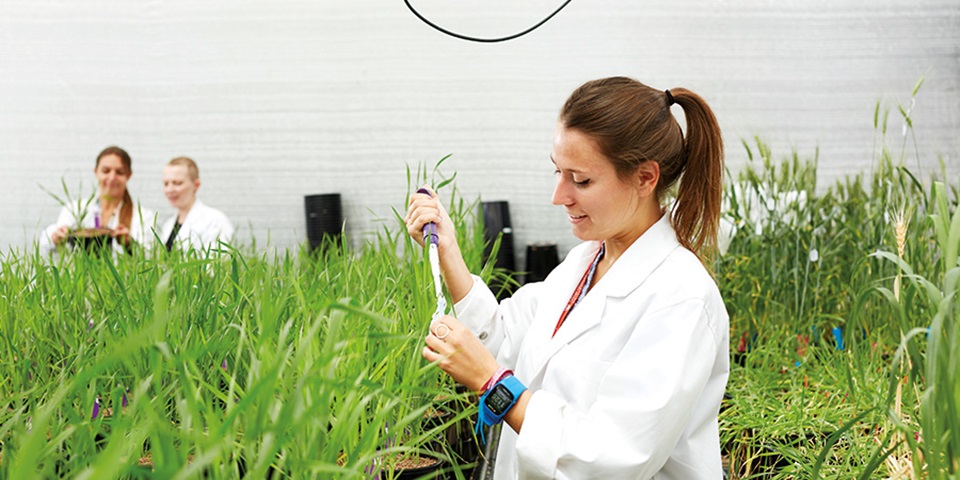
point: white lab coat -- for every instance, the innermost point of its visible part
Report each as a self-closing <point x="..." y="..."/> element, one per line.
<point x="202" y="229"/>
<point x="144" y="221"/>
<point x="631" y="385"/>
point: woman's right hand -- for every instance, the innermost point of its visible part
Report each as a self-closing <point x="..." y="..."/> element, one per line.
<point x="59" y="235"/>
<point x="423" y="209"/>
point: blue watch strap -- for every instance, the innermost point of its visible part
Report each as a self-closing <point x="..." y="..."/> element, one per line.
<point x="497" y="401"/>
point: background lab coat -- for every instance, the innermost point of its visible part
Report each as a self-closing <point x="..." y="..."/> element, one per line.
<point x="631" y="385"/>
<point x="143" y="221"/>
<point x="201" y="229"/>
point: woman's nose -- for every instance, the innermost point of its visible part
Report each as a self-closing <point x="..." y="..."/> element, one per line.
<point x="560" y="193"/>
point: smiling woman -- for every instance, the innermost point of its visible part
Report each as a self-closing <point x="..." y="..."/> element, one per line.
<point x="195" y="225"/>
<point x="615" y="365"/>
<point x="113" y="217"/>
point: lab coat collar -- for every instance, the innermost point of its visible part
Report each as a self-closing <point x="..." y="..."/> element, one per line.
<point x="186" y="226"/>
<point x="196" y="207"/>
<point x="640" y="260"/>
<point x="626" y="275"/>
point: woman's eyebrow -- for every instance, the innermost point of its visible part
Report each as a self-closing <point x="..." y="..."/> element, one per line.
<point x="571" y="170"/>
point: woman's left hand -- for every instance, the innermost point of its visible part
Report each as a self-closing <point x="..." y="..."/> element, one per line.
<point x="459" y="352"/>
<point x="121" y="234"/>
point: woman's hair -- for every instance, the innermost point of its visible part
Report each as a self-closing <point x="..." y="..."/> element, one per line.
<point x="126" y="212"/>
<point x="631" y="124"/>
<point x="192" y="171"/>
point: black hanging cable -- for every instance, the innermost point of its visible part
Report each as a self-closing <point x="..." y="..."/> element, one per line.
<point x="483" y="40"/>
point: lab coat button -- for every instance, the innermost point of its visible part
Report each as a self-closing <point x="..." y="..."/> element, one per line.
<point x="483" y="335"/>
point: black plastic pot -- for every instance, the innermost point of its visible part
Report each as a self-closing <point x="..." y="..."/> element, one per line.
<point x="496" y="223"/>
<point x="444" y="435"/>
<point x="324" y="217"/>
<point x="542" y="258"/>
<point x="91" y="240"/>
<point x="456" y="438"/>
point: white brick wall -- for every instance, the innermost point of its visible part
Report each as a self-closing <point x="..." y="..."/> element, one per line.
<point x="277" y="100"/>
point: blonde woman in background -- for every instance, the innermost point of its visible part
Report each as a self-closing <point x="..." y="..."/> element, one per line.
<point x="114" y="211"/>
<point x="195" y="225"/>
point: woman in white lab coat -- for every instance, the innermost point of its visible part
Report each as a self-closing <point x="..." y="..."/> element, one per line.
<point x="195" y="225"/>
<point x="619" y="359"/>
<point x="111" y="213"/>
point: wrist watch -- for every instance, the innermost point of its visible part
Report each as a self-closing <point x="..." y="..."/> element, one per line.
<point x="497" y="401"/>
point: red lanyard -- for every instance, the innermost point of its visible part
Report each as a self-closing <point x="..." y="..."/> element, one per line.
<point x="578" y="292"/>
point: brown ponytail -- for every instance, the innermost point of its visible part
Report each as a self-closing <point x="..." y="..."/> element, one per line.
<point x="632" y="124"/>
<point x="696" y="214"/>
<point x="126" y="211"/>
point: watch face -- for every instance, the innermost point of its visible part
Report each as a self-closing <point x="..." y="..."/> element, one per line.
<point x="499" y="399"/>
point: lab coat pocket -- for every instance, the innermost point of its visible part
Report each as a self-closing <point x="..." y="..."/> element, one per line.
<point x="575" y="373"/>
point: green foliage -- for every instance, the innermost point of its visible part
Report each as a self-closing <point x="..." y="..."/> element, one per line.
<point x="78" y="206"/>
<point x="875" y="257"/>
<point x="225" y="363"/>
<point x="307" y="364"/>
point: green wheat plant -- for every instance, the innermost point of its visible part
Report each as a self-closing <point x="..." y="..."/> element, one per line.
<point x="306" y="363"/>
<point x="842" y="315"/>
<point x="68" y="200"/>
<point x="244" y="363"/>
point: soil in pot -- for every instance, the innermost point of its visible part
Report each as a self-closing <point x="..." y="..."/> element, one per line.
<point x="410" y="468"/>
<point x="93" y="240"/>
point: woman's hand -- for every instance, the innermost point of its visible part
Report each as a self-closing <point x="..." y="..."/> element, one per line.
<point x="121" y="234"/>
<point x="59" y="235"/>
<point x="424" y="209"/>
<point x="459" y="352"/>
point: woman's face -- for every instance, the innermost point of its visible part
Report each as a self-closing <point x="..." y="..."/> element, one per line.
<point x="599" y="205"/>
<point x="180" y="190"/>
<point x="112" y="176"/>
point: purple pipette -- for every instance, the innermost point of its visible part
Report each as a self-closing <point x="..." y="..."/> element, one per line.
<point x="430" y="236"/>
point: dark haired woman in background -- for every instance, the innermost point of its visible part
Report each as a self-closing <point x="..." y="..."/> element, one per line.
<point x="615" y="365"/>
<point x="113" y="210"/>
